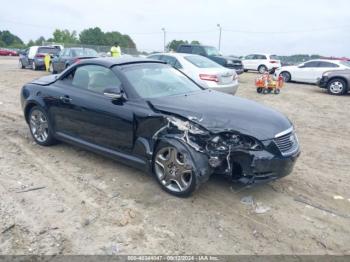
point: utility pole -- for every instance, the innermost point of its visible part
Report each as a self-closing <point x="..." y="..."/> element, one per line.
<point x="220" y="28"/>
<point x="164" y="33"/>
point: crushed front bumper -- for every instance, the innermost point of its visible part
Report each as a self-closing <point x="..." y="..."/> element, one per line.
<point x="322" y="82"/>
<point x="262" y="167"/>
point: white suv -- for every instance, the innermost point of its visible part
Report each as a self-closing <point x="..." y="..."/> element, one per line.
<point x="261" y="63"/>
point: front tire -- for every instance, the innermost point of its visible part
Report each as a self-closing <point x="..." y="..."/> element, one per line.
<point x="337" y="87"/>
<point x="39" y="126"/>
<point x="174" y="174"/>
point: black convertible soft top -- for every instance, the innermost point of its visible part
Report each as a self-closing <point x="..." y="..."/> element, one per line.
<point x="110" y="61"/>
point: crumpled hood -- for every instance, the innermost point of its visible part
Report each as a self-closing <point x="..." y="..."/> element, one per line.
<point x="218" y="112"/>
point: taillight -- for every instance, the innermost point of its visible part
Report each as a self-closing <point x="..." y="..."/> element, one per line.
<point x="39" y="55"/>
<point x="209" y="77"/>
<point x="273" y="62"/>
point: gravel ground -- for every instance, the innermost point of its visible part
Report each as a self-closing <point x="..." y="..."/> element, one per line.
<point x="93" y="205"/>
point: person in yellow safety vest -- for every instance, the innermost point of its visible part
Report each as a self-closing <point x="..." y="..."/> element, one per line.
<point x="115" y="50"/>
<point x="47" y="60"/>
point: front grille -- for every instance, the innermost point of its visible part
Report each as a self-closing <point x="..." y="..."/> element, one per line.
<point x="287" y="144"/>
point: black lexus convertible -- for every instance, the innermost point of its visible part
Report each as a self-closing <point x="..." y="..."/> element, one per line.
<point x="153" y="117"/>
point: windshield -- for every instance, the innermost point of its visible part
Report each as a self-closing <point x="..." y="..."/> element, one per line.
<point x="158" y="80"/>
<point x="211" y="51"/>
<point x="201" y="62"/>
<point x="345" y="63"/>
<point x="48" y="50"/>
<point x="84" y="52"/>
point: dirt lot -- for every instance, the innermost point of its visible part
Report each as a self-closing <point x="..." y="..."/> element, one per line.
<point x="93" y="205"/>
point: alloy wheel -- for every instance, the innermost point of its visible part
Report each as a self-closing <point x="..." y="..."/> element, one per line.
<point x="39" y="126"/>
<point x="172" y="171"/>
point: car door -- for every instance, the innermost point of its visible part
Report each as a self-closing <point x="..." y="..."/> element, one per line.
<point x="61" y="60"/>
<point x="24" y="58"/>
<point x="306" y="72"/>
<point x="80" y="111"/>
<point x="258" y="60"/>
<point x="248" y="62"/>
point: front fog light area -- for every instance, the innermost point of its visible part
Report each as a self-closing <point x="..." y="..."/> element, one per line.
<point x="214" y="161"/>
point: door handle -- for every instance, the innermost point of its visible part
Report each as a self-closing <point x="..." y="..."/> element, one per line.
<point x="65" y="99"/>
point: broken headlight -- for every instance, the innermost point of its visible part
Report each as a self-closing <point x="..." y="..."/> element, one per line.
<point x="233" y="141"/>
<point x="187" y="126"/>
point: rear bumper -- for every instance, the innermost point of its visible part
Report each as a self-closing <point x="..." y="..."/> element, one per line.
<point x="231" y="89"/>
<point x="322" y="82"/>
<point x="39" y="63"/>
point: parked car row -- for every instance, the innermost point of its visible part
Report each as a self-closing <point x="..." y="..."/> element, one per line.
<point x="330" y="74"/>
<point x="33" y="57"/>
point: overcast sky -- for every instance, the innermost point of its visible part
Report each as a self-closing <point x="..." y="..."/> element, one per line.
<point x="290" y="26"/>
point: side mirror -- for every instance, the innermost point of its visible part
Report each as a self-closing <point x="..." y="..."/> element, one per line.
<point x="114" y="93"/>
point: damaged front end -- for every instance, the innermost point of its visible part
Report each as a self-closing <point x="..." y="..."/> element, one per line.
<point x="241" y="157"/>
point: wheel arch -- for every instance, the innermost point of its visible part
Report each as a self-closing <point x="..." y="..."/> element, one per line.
<point x="198" y="160"/>
<point x="263" y="66"/>
<point x="286" y="71"/>
<point x="29" y="105"/>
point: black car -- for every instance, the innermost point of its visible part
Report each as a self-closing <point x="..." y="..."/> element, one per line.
<point x="69" y="56"/>
<point x="33" y="57"/>
<point x="213" y="54"/>
<point x="151" y="116"/>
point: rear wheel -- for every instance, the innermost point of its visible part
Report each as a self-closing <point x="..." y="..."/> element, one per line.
<point x="39" y="126"/>
<point x="286" y="76"/>
<point x="262" y="69"/>
<point x="277" y="91"/>
<point x="20" y="65"/>
<point x="34" y="66"/>
<point x="174" y="174"/>
<point x="259" y="90"/>
<point x="245" y="70"/>
<point x="337" y="86"/>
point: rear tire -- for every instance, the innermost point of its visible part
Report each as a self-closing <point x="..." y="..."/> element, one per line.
<point x="262" y="69"/>
<point x="286" y="76"/>
<point x="245" y="70"/>
<point x="20" y="65"/>
<point x="34" y="67"/>
<point x="337" y="87"/>
<point x="259" y="90"/>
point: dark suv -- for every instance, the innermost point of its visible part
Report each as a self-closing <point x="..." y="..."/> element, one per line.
<point x="213" y="54"/>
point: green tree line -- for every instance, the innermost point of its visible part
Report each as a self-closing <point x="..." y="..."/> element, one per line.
<point x="90" y="36"/>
